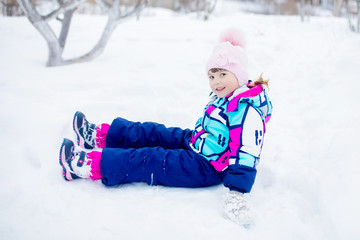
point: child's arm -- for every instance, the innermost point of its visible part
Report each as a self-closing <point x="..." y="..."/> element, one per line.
<point x="246" y="137"/>
<point x="245" y="148"/>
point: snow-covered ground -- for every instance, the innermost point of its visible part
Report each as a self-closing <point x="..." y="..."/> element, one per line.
<point x="153" y="70"/>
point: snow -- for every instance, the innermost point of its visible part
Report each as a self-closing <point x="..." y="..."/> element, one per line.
<point x="153" y="70"/>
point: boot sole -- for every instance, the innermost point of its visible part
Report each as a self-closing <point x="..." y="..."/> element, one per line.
<point x="68" y="175"/>
<point x="76" y="130"/>
<point x="80" y="140"/>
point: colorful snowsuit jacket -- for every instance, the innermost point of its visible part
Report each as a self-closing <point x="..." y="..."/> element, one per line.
<point x="231" y="132"/>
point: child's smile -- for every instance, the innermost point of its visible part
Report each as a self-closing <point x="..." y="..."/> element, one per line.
<point x="222" y="82"/>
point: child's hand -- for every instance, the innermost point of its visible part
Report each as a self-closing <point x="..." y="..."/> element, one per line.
<point x="236" y="209"/>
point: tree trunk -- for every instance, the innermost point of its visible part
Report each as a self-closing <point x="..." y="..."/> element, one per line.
<point x="54" y="57"/>
<point x="302" y="10"/>
<point x="98" y="49"/>
<point x="337" y="7"/>
<point x="358" y="15"/>
<point x="353" y="12"/>
<point x="66" y="21"/>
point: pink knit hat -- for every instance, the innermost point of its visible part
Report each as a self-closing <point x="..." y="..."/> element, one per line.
<point x="230" y="54"/>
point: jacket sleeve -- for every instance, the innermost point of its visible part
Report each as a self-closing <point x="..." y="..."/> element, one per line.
<point x="246" y="137"/>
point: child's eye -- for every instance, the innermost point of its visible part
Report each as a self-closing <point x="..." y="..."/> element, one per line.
<point x="222" y="74"/>
<point x="211" y="77"/>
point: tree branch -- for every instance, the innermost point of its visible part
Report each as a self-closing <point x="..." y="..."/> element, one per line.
<point x="113" y="21"/>
<point x="138" y="7"/>
<point x="103" y="4"/>
<point x="56" y="44"/>
<point x="65" y="28"/>
<point x="63" y="7"/>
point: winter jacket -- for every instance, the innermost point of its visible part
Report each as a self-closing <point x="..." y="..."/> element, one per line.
<point x="231" y="132"/>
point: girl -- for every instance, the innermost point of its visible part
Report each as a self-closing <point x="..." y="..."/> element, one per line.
<point x="223" y="148"/>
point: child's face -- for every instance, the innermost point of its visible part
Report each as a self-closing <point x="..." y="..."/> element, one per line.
<point x="223" y="82"/>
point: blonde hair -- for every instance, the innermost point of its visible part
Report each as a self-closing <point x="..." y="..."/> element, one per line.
<point x="260" y="81"/>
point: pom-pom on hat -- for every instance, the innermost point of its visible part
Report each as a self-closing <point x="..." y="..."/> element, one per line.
<point x="230" y="54"/>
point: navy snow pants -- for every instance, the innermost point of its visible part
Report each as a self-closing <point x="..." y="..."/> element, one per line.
<point x="149" y="152"/>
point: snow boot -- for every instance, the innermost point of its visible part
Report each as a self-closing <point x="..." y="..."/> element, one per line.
<point x="75" y="163"/>
<point x="85" y="131"/>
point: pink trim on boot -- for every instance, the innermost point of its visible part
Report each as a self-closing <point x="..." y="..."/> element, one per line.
<point x="101" y="134"/>
<point x="94" y="159"/>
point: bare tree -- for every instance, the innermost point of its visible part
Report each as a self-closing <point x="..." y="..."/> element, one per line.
<point x="64" y="13"/>
<point x="304" y="9"/>
<point x="358" y="15"/>
<point x="203" y="7"/>
<point x="10" y="8"/>
<point x="353" y="12"/>
<point x="337" y="6"/>
<point x="209" y="7"/>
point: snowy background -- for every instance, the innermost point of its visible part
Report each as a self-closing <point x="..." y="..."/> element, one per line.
<point x="153" y="70"/>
